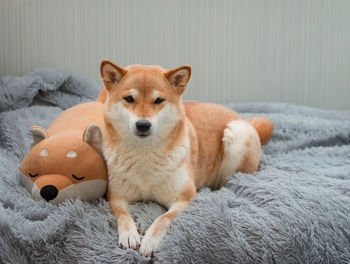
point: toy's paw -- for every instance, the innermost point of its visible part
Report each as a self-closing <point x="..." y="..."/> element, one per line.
<point x="149" y="244"/>
<point x="129" y="239"/>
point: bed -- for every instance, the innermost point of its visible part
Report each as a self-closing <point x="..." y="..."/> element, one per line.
<point x="295" y="209"/>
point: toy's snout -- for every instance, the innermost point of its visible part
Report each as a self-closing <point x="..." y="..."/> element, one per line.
<point x="56" y="188"/>
<point x="50" y="187"/>
<point x="49" y="192"/>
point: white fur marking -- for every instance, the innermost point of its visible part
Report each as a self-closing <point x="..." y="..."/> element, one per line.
<point x="156" y="95"/>
<point x="133" y="93"/>
<point x="71" y="154"/>
<point x="235" y="137"/>
<point x="44" y="153"/>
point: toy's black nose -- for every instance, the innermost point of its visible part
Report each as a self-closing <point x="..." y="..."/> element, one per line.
<point x="143" y="125"/>
<point x="49" y="192"/>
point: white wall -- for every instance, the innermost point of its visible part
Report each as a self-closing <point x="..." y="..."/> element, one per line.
<point x="292" y="51"/>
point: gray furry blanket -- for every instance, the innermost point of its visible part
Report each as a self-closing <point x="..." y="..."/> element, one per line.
<point x="295" y="209"/>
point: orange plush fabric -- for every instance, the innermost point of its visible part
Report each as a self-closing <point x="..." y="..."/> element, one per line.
<point x="66" y="161"/>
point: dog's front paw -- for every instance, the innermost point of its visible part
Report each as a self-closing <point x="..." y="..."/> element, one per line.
<point x="149" y="244"/>
<point x="129" y="239"/>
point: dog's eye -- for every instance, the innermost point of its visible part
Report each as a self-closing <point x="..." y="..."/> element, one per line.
<point x="129" y="99"/>
<point x="77" y="178"/>
<point x="159" y="100"/>
<point x="33" y="175"/>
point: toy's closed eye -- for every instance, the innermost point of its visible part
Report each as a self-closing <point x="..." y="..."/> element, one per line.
<point x="77" y="178"/>
<point x="33" y="175"/>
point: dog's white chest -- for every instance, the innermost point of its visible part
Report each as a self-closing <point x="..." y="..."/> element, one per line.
<point x="151" y="175"/>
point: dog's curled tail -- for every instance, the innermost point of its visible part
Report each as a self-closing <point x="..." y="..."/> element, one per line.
<point x="263" y="126"/>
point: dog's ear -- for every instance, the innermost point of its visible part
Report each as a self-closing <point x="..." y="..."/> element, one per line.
<point x="38" y="134"/>
<point x="179" y="78"/>
<point x="111" y="73"/>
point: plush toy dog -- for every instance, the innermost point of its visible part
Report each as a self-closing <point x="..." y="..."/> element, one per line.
<point x="66" y="161"/>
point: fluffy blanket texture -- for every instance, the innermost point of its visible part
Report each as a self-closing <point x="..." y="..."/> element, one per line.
<point x="295" y="209"/>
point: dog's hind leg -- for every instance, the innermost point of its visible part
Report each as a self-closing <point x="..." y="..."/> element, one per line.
<point x="241" y="151"/>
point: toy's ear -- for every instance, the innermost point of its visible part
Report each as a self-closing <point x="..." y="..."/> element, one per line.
<point x="38" y="134"/>
<point x="111" y="73"/>
<point x="93" y="136"/>
<point x="179" y="77"/>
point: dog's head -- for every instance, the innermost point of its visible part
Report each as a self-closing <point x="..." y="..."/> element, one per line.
<point x="144" y="102"/>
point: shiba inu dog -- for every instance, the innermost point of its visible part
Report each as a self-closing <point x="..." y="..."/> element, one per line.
<point x="161" y="149"/>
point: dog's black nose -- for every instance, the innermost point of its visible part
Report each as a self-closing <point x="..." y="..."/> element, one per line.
<point x="143" y="125"/>
<point x="49" y="192"/>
